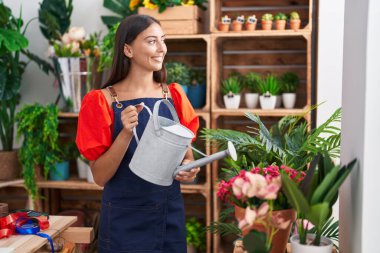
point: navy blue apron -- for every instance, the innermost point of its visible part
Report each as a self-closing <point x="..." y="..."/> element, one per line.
<point x="136" y="215"/>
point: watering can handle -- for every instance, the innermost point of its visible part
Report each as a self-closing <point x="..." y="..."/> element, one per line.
<point x="156" y="123"/>
<point x="134" y="129"/>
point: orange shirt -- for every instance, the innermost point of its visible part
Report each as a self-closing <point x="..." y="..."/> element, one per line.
<point x="95" y="121"/>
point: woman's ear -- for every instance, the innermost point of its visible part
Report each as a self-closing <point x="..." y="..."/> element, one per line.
<point x="128" y="51"/>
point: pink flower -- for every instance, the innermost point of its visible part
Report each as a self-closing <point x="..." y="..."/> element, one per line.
<point x="252" y="214"/>
<point x="66" y="39"/>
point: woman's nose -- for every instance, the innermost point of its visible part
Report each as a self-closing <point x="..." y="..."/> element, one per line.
<point x="161" y="46"/>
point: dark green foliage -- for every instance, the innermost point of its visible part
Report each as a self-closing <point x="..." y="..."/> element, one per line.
<point x="38" y="125"/>
<point x="255" y="242"/>
<point x="195" y="234"/>
<point x="119" y="7"/>
<point x="289" y="82"/>
<point x="54" y="17"/>
<point x="177" y="72"/>
<point x="107" y="48"/>
<point x="252" y="81"/>
<point x="231" y="84"/>
<point x="269" y="86"/>
<point x="12" y="45"/>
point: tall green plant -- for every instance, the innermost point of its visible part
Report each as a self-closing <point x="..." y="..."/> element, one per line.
<point x="178" y="72"/>
<point x="13" y="44"/>
<point x="54" y="17"/>
<point x="231" y="85"/>
<point x="289" y="82"/>
<point x="270" y="86"/>
<point x="252" y="81"/>
<point x="119" y="7"/>
<point x="38" y="125"/>
<point x="106" y="49"/>
<point x="317" y="194"/>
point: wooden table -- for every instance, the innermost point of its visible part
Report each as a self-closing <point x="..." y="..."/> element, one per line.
<point x="31" y="243"/>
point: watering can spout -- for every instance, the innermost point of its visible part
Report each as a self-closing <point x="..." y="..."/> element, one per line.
<point x="230" y="151"/>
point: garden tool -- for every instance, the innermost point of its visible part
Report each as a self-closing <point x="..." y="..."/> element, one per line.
<point x="163" y="146"/>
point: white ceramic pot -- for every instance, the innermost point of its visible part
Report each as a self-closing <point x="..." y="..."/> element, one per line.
<point x="82" y="168"/>
<point x="231" y="101"/>
<point x="289" y="100"/>
<point x="90" y="177"/>
<point x="278" y="101"/>
<point x="251" y="100"/>
<point x="267" y="102"/>
<point x="191" y="249"/>
<point x="326" y="245"/>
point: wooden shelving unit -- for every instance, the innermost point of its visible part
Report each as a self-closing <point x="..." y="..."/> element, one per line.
<point x="261" y="52"/>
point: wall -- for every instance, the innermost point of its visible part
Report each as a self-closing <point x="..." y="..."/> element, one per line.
<point x="359" y="205"/>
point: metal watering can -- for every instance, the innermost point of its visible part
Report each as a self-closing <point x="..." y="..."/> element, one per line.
<point x="163" y="146"/>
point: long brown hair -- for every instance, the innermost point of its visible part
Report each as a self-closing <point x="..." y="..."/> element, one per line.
<point x="126" y="33"/>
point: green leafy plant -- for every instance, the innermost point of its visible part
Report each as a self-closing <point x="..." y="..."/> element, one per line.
<point x="197" y="76"/>
<point x="267" y="17"/>
<point x="289" y="82"/>
<point x="195" y="234"/>
<point x="106" y="48"/>
<point x="163" y="4"/>
<point x="280" y="16"/>
<point x="270" y="86"/>
<point x="122" y="8"/>
<point x="314" y="199"/>
<point x="54" y="17"/>
<point x="178" y="72"/>
<point x="294" y="15"/>
<point x="13" y="44"/>
<point x="329" y="230"/>
<point x="231" y="85"/>
<point x="38" y="125"/>
<point x="252" y="81"/>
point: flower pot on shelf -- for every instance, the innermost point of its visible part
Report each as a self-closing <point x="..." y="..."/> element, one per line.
<point x="82" y="168"/>
<point x="280" y="24"/>
<point x="236" y="26"/>
<point x="251" y="100"/>
<point x="9" y="165"/>
<point x="61" y="172"/>
<point x="267" y="102"/>
<point x="280" y="239"/>
<point x="185" y="88"/>
<point x="191" y="249"/>
<point x="224" y="27"/>
<point x="266" y="25"/>
<point x="250" y="25"/>
<point x="177" y="19"/>
<point x="295" y="24"/>
<point x="325" y="247"/>
<point x="90" y="177"/>
<point x="197" y="95"/>
<point x="231" y="101"/>
<point x="289" y="100"/>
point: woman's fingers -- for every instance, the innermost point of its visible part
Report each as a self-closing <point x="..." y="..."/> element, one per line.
<point x="187" y="176"/>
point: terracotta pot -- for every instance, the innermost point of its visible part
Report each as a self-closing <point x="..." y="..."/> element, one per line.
<point x="295" y="24"/>
<point x="9" y="165"/>
<point x="266" y="24"/>
<point x="280" y="239"/>
<point x="224" y="27"/>
<point x="280" y="24"/>
<point x="250" y="26"/>
<point x="237" y="27"/>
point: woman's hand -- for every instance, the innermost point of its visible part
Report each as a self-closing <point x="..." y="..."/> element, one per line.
<point x="129" y="117"/>
<point x="187" y="176"/>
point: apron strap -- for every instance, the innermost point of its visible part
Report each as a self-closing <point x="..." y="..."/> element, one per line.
<point x="113" y="94"/>
<point x="165" y="90"/>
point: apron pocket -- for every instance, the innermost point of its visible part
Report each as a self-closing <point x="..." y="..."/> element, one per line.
<point x="137" y="228"/>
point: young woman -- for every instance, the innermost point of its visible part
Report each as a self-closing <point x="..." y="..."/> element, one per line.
<point x="136" y="215"/>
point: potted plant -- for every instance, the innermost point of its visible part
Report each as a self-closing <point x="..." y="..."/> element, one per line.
<point x="269" y="90"/>
<point x="237" y="24"/>
<point x="280" y="21"/>
<point x="64" y="153"/>
<point x="195" y="235"/>
<point x="38" y="125"/>
<point x="251" y="82"/>
<point x="231" y="88"/>
<point x="178" y="72"/>
<point x="224" y="24"/>
<point x="266" y="21"/>
<point x="13" y="45"/>
<point x="197" y="90"/>
<point x="289" y="84"/>
<point x="313" y="201"/>
<point x="295" y="21"/>
<point x="250" y="23"/>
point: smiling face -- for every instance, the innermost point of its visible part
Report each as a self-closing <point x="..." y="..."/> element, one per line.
<point x="148" y="50"/>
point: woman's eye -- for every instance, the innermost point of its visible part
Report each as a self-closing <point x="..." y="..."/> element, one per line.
<point x="152" y="42"/>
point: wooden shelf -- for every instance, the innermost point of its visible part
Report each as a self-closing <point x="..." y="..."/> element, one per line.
<point x="241" y="111"/>
<point x="68" y="115"/>
<point x="261" y="33"/>
<point x="188" y="37"/>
